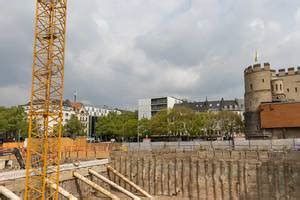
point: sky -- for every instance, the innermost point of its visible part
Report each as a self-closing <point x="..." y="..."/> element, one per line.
<point x="120" y="51"/>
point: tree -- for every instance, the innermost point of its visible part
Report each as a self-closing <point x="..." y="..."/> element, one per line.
<point x="144" y="127"/>
<point x="229" y="122"/>
<point x="108" y="125"/>
<point x="130" y="127"/>
<point x="201" y="123"/>
<point x="13" y="121"/>
<point x="73" y="127"/>
<point x="159" y="123"/>
<point x="181" y="121"/>
<point x="3" y="120"/>
<point x="117" y="125"/>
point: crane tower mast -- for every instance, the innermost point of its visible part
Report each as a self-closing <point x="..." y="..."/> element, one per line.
<point x="45" y="116"/>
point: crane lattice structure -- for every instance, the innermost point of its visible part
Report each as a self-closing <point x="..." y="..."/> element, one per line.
<point x="45" y="117"/>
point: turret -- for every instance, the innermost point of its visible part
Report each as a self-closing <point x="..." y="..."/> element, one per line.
<point x="257" y="86"/>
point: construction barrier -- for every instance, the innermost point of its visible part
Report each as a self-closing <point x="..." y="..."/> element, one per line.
<point x="71" y="150"/>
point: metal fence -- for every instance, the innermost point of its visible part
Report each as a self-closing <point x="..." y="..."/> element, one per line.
<point x="272" y="144"/>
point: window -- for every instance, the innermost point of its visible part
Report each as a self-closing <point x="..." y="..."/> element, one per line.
<point x="280" y="87"/>
<point x="263" y="80"/>
<point x="276" y="87"/>
<point x="296" y="89"/>
<point x="288" y="90"/>
<point x="251" y="86"/>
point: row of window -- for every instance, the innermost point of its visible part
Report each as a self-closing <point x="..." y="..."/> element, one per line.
<point x="276" y="88"/>
<point x="225" y="107"/>
<point x="94" y="109"/>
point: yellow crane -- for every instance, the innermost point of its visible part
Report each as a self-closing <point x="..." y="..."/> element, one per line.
<point x="45" y="116"/>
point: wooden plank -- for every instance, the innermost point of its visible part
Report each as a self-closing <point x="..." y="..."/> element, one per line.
<point x="118" y="187"/>
<point x="62" y="191"/>
<point x="8" y="194"/>
<point x="95" y="186"/>
<point x="129" y="182"/>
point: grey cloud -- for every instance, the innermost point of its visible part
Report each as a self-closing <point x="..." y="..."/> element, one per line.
<point x="120" y="51"/>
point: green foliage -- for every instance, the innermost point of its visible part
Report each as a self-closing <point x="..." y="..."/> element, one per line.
<point x="177" y="122"/>
<point x="13" y="121"/>
<point x="144" y="127"/>
<point x="73" y="127"/>
<point x="229" y="122"/>
<point x="117" y="125"/>
<point x="159" y="124"/>
<point x="181" y="121"/>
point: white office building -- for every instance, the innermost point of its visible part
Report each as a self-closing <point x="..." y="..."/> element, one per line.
<point x="67" y="112"/>
<point x="147" y="108"/>
<point x="94" y="112"/>
<point x="87" y="114"/>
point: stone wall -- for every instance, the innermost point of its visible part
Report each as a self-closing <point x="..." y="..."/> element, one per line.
<point x="213" y="174"/>
<point x="290" y="83"/>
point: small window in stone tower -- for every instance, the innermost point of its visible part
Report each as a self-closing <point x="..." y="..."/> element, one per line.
<point x="251" y="86"/>
<point x="288" y="90"/>
<point x="296" y="89"/>
<point x="263" y="80"/>
<point x="280" y="87"/>
<point x="276" y="87"/>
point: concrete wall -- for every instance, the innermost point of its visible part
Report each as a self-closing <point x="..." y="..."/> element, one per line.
<point x="213" y="174"/>
<point x="144" y="108"/>
<point x="172" y="101"/>
<point x="68" y="182"/>
<point x="238" y="144"/>
<point x="282" y="133"/>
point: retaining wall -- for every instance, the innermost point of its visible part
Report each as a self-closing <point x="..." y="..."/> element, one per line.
<point x="213" y="174"/>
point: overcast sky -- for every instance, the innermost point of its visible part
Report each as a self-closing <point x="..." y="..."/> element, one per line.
<point x="121" y="50"/>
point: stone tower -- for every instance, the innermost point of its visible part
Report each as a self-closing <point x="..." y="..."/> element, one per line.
<point x="258" y="89"/>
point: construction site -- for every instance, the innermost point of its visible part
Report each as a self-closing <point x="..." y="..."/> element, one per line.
<point x="112" y="171"/>
<point x="50" y="166"/>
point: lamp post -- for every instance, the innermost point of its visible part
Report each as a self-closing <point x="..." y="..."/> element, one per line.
<point x="138" y="133"/>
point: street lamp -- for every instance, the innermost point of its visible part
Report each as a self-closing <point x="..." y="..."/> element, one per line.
<point x="138" y="133"/>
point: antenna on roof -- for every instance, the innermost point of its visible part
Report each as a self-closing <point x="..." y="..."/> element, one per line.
<point x="75" y="95"/>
